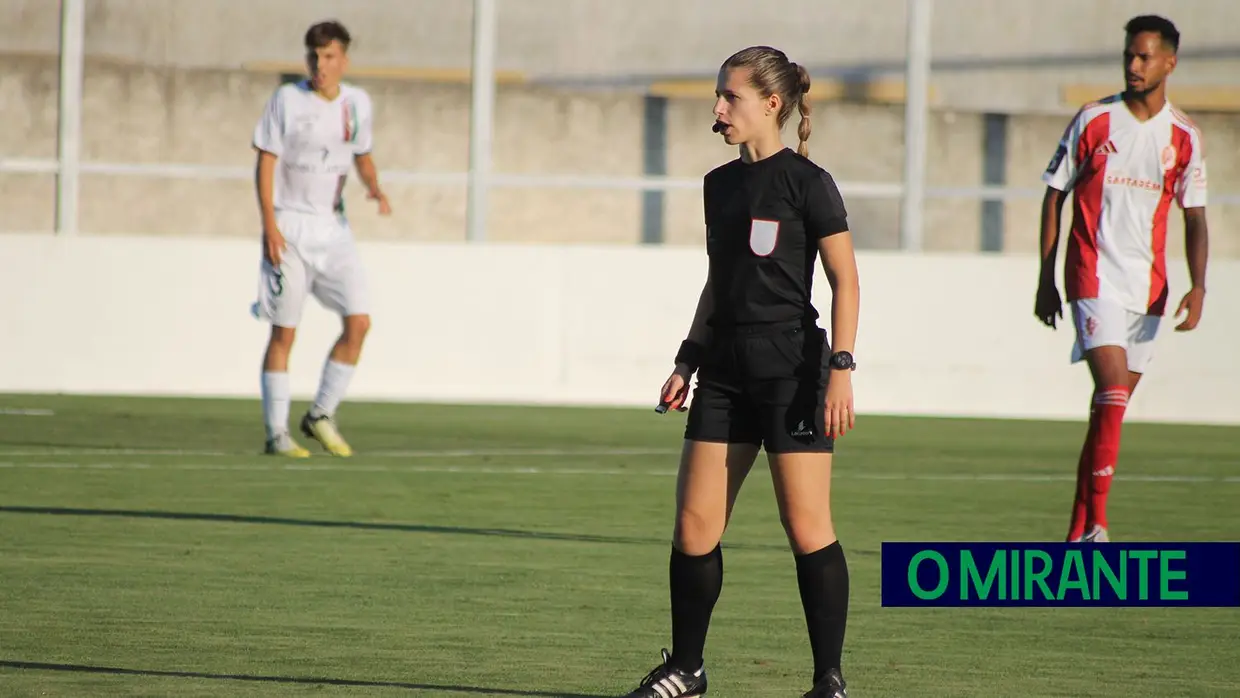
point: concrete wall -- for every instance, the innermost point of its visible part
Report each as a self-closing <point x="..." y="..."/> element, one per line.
<point x="992" y="55"/>
<point x="165" y="115"/>
<point x="167" y="81"/>
<point x="940" y="334"/>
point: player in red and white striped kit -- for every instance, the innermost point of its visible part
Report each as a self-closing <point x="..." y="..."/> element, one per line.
<point x="1125" y="158"/>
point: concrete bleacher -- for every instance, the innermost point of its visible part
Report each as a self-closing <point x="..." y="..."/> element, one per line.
<point x="185" y="82"/>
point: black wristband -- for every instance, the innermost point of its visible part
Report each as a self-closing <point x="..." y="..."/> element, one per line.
<point x="690" y="354"/>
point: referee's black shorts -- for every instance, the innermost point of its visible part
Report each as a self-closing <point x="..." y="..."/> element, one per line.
<point x="764" y="385"/>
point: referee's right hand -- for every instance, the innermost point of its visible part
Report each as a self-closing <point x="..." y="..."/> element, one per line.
<point x="675" y="390"/>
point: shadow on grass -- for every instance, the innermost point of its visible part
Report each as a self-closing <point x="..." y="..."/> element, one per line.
<point x="369" y="526"/>
<point x="87" y="669"/>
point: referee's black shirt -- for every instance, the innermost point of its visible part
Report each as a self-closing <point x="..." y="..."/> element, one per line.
<point x="763" y="223"/>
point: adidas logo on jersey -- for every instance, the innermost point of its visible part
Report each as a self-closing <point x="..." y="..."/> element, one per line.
<point x="1107" y="148"/>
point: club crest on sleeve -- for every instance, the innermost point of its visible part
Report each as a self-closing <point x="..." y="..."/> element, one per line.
<point x="1060" y="152"/>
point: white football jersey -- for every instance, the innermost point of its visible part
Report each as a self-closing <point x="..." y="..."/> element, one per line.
<point x="1124" y="174"/>
<point x="314" y="141"/>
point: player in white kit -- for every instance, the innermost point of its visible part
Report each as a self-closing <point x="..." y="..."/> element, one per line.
<point x="1125" y="158"/>
<point x="309" y="136"/>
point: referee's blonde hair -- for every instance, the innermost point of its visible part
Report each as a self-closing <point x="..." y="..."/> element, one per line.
<point x="771" y="73"/>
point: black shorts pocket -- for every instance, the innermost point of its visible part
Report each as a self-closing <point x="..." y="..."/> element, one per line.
<point x="802" y="351"/>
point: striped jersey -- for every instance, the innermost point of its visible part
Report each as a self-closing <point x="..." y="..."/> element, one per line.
<point x="1123" y="174"/>
<point x="314" y="141"/>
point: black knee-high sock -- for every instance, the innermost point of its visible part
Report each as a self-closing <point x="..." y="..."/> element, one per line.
<point x="696" y="581"/>
<point x="823" y="578"/>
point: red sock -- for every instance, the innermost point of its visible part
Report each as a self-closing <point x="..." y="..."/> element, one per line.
<point x="1080" y="502"/>
<point x="1098" y="459"/>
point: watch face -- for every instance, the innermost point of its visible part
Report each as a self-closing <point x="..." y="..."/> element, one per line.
<point x="841" y="359"/>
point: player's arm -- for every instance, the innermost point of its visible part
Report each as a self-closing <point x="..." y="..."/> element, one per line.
<point x="1197" y="250"/>
<point x="264" y="185"/>
<point x="1047" y="304"/>
<point x="364" y="161"/>
<point x="1052" y="213"/>
<point x="1059" y="177"/>
<point x="369" y="174"/>
<point x="1191" y="196"/>
<point x="268" y="144"/>
<point x="1196" y="245"/>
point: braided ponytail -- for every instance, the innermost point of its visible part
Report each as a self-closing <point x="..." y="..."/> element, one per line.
<point x="803" y="106"/>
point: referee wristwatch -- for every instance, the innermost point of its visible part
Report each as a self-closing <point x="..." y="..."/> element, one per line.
<point x="843" y="361"/>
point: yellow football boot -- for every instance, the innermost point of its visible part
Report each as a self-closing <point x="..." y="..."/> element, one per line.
<point x="284" y="445"/>
<point x="323" y="429"/>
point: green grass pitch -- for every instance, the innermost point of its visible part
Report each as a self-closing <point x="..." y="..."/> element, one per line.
<point x="146" y="548"/>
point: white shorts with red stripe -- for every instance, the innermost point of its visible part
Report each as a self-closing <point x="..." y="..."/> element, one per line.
<point x="1101" y="323"/>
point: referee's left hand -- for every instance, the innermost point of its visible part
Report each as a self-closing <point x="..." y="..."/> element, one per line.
<point x="840" y="416"/>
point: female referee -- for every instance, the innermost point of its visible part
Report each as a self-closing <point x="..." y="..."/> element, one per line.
<point x="767" y="375"/>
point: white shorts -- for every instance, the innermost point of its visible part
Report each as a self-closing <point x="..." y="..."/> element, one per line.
<point x="1101" y="323"/>
<point x="321" y="259"/>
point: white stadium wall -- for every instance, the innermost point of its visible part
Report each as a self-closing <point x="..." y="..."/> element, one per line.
<point x="949" y="334"/>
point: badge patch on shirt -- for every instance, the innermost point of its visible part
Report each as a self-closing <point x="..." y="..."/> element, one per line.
<point x="1060" y="152"/>
<point x="1169" y="156"/>
<point x="762" y="236"/>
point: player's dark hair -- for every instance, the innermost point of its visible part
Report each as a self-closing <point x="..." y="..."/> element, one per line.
<point x="1159" y="25"/>
<point x="770" y="72"/>
<point x="324" y="33"/>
